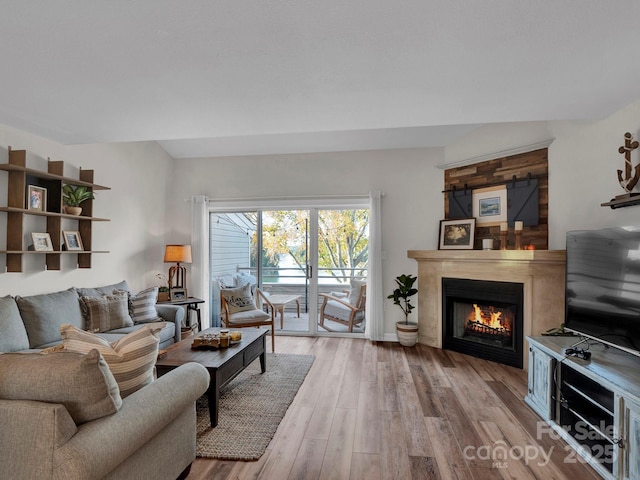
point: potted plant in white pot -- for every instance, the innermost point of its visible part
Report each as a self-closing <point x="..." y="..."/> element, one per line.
<point x="73" y="196"/>
<point x="407" y="332"/>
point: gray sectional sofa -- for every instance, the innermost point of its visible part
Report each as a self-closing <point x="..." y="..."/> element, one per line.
<point x="34" y="322"/>
<point x="61" y="416"/>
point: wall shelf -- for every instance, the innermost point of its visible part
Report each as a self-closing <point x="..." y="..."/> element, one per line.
<point x="53" y="214"/>
<point x="20" y="177"/>
<point x="624" y="201"/>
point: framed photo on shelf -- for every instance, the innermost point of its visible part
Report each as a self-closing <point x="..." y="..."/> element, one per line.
<point x="72" y="240"/>
<point x="457" y="234"/>
<point x="41" y="242"/>
<point x="176" y="294"/>
<point x="37" y="198"/>
<point x="490" y="205"/>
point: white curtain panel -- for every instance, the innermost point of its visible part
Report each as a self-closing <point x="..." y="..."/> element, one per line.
<point x="374" y="329"/>
<point x="200" y="251"/>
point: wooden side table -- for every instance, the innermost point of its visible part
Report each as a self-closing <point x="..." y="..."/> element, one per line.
<point x="192" y="306"/>
<point x="280" y="301"/>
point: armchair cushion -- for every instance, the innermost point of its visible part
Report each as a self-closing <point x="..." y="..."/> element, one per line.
<point x="354" y="294"/>
<point x="239" y="299"/>
<point x="341" y="311"/>
<point x="248" y="316"/>
<point x="82" y="383"/>
<point x="107" y="312"/>
<point x="131" y="359"/>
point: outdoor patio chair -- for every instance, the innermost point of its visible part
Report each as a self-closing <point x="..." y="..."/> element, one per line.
<point x="346" y="309"/>
<point x="239" y="309"/>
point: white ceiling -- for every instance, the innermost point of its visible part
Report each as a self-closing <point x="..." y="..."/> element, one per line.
<point x="236" y="77"/>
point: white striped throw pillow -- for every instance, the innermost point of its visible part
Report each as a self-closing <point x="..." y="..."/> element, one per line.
<point x="131" y="359"/>
<point x="143" y="306"/>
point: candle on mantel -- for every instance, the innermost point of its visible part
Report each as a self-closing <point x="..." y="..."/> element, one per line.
<point x="504" y="226"/>
<point x="519" y="226"/>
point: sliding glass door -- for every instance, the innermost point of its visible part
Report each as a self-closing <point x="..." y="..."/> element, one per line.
<point x="298" y="257"/>
<point x="287" y="270"/>
<point x="343" y="255"/>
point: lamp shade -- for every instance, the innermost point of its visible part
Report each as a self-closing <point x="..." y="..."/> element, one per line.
<point x="177" y="254"/>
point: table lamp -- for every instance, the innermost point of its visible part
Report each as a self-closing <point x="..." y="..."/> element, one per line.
<point x="178" y="254"/>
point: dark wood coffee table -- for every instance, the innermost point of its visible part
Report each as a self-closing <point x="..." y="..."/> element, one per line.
<point x="223" y="364"/>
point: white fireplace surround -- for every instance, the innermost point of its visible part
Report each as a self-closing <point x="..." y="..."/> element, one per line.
<point x="541" y="272"/>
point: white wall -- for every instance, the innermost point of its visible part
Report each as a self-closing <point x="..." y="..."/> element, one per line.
<point x="583" y="160"/>
<point x="137" y="174"/>
<point x="583" y="164"/>
<point x="411" y="207"/>
<point x="146" y="182"/>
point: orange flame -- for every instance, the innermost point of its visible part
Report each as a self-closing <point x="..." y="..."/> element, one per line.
<point x="494" y="320"/>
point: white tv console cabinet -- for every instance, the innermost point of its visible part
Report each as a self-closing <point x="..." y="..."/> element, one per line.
<point x="593" y="404"/>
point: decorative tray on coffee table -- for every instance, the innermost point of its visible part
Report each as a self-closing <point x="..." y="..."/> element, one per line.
<point x="215" y="340"/>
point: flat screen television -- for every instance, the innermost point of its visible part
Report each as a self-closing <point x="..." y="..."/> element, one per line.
<point x="603" y="286"/>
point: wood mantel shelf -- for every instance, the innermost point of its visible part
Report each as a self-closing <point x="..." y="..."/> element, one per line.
<point x="541" y="273"/>
<point x="543" y="256"/>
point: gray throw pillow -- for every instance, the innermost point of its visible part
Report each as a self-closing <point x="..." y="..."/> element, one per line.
<point x="107" y="312"/>
<point x="82" y="383"/>
<point x="44" y="314"/>
<point x="13" y="336"/>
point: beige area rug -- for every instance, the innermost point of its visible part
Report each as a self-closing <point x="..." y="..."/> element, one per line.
<point x="251" y="408"/>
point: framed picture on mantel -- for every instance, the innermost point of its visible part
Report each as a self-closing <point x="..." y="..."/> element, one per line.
<point x="457" y="234"/>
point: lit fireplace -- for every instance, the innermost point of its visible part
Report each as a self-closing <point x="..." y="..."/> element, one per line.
<point x="489" y="321"/>
<point x="483" y="319"/>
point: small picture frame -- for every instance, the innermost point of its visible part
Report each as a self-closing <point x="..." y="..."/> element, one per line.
<point x="36" y="198"/>
<point x="177" y="294"/>
<point x="457" y="234"/>
<point x="41" y="242"/>
<point x="490" y="205"/>
<point x="72" y="240"/>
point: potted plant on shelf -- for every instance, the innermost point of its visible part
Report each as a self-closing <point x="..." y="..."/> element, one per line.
<point x="73" y="196"/>
<point x="163" y="290"/>
<point x="407" y="332"/>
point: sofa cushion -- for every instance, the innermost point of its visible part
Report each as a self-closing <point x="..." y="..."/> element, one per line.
<point x="239" y="299"/>
<point x="106" y="290"/>
<point x="143" y="306"/>
<point x="354" y="293"/>
<point x="42" y="315"/>
<point x="107" y="312"/>
<point x="131" y="359"/>
<point x="13" y="336"/>
<point x="82" y="383"/>
<point x="167" y="331"/>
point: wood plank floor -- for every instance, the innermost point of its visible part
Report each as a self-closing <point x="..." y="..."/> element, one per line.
<point x="380" y="411"/>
